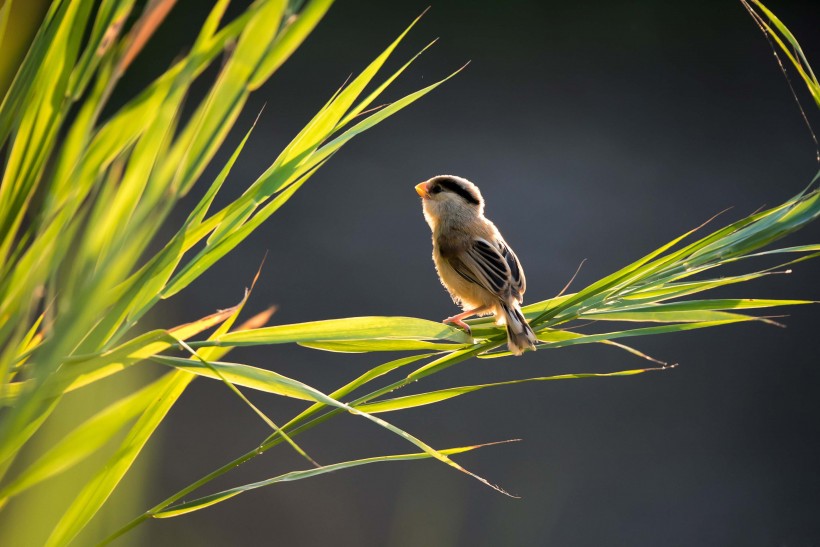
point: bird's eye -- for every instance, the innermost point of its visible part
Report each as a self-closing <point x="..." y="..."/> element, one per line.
<point x="435" y="190"/>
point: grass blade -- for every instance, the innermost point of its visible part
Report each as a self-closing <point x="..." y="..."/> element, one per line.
<point x="282" y="385"/>
<point x="85" y="439"/>
<point x="89" y="501"/>
<point x="432" y="397"/>
<point x="367" y="346"/>
<point x="213" y="499"/>
<point x="353" y="328"/>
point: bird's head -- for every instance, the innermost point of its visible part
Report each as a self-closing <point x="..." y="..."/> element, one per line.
<point x="448" y="197"/>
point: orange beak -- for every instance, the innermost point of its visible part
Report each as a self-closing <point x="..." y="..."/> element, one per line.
<point x="421" y="189"/>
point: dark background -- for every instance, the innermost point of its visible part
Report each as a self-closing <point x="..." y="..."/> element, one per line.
<point x="595" y="129"/>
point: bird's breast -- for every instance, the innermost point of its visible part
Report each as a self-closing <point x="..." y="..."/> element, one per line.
<point x="463" y="291"/>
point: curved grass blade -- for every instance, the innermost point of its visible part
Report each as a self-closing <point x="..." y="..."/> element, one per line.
<point x="97" y="490"/>
<point x="145" y="285"/>
<point x="290" y="38"/>
<point x="206" y="354"/>
<point x="797" y="249"/>
<point x="19" y="92"/>
<point x="82" y="370"/>
<point x="368" y="346"/>
<point x="549" y="340"/>
<point x="276" y="429"/>
<point x="793" y="51"/>
<point x="292" y="169"/>
<point x="735" y="240"/>
<point x="348" y="388"/>
<point x="554" y="335"/>
<point x="215" y="116"/>
<point x="448" y="360"/>
<point x="334" y="145"/>
<point x="557" y="338"/>
<point x="285" y="168"/>
<point x="36" y="121"/>
<point x="663" y="316"/>
<point x="217" y="248"/>
<point x="85" y="439"/>
<point x="256" y="378"/>
<point x="327" y="120"/>
<point x="703" y="305"/>
<point x="667" y="291"/>
<point x="360" y="108"/>
<point x="432" y="397"/>
<point x="638" y="353"/>
<point x="352" y="328"/>
<point x="282" y="385"/>
<point x="213" y="499"/>
<point x="609" y="281"/>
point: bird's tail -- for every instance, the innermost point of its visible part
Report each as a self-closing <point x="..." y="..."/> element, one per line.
<point x="520" y="336"/>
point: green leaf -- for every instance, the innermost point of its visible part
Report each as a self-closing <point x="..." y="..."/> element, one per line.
<point x="215" y="116"/>
<point x="667" y="291"/>
<point x="85" y="439"/>
<point x="432" y="397"/>
<point x="17" y="95"/>
<point x="206" y="354"/>
<point x="91" y="498"/>
<point x="325" y="122"/>
<point x="218" y="248"/>
<point x="353" y="328"/>
<point x="292" y="169"/>
<point x="213" y="499"/>
<point x="663" y="316"/>
<point x="355" y="384"/>
<point x="554" y="306"/>
<point x="5" y="9"/>
<point x="282" y="385"/>
<point x="82" y="370"/>
<point x="331" y="147"/>
<point x="550" y="342"/>
<point x="108" y="24"/>
<point x="366" y="346"/>
<point x="36" y="118"/>
<point x="289" y="39"/>
<point x="703" y="305"/>
<point x="241" y="375"/>
<point x="793" y="51"/>
<point x="143" y="289"/>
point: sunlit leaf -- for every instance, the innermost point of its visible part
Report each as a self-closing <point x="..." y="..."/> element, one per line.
<point x="99" y="488"/>
<point x="432" y="397"/>
<point x="213" y="499"/>
<point x="353" y="328"/>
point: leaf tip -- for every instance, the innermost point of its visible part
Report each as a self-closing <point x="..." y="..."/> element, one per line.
<point x="259" y="115"/>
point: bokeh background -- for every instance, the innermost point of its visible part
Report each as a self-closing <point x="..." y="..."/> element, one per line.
<point x="597" y="130"/>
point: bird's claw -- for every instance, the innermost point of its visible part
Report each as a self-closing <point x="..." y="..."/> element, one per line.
<point x="459" y="323"/>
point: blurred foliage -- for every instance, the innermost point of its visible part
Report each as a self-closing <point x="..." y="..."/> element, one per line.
<point x="15" y="38"/>
<point x="83" y="198"/>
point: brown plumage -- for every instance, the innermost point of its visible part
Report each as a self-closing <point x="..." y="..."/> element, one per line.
<point x="473" y="261"/>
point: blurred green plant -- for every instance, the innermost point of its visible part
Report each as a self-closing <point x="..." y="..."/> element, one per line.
<point x="82" y="198"/>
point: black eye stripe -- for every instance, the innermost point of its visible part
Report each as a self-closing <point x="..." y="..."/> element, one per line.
<point x="456" y="188"/>
<point x="435" y="190"/>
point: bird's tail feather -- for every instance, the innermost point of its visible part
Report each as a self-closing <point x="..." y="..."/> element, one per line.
<point x="520" y="336"/>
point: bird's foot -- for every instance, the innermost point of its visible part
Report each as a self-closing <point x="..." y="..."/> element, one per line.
<point x="456" y="320"/>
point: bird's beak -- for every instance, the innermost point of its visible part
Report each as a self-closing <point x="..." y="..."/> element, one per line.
<point x="421" y="189"/>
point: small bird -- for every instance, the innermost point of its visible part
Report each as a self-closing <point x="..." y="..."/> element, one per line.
<point x="473" y="261"/>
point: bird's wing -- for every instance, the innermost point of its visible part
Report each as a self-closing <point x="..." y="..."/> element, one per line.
<point x="518" y="281"/>
<point x="494" y="267"/>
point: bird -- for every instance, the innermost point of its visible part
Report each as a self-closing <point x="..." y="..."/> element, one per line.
<point x="474" y="263"/>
